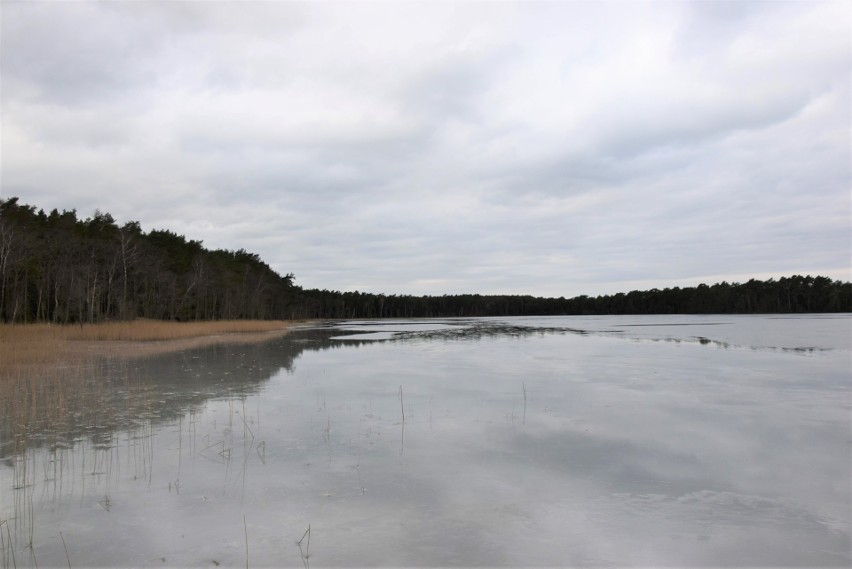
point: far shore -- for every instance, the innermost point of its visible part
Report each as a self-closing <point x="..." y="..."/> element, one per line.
<point x="29" y="348"/>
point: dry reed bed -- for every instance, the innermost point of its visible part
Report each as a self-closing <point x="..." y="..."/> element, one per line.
<point x="29" y="348"/>
<point x="154" y="330"/>
<point x="47" y="371"/>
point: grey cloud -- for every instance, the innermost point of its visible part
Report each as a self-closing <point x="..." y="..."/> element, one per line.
<point x="74" y="54"/>
<point x="274" y="20"/>
<point x="684" y="123"/>
<point x="709" y="25"/>
<point x="550" y="149"/>
<point x="453" y="86"/>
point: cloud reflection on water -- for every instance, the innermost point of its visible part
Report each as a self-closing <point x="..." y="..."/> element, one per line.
<point x="628" y="451"/>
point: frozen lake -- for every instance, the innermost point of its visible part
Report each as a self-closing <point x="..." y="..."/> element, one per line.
<point x="581" y="441"/>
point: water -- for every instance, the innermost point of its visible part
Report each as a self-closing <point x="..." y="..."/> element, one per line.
<point x="581" y="441"/>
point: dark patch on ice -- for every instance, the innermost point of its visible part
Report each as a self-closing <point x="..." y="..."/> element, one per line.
<point x="485" y="330"/>
<point x="678" y="324"/>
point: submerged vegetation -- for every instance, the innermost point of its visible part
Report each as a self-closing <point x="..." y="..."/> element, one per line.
<point x="57" y="268"/>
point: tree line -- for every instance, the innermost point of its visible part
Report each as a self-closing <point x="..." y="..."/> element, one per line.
<point x="795" y="294"/>
<point x="55" y="267"/>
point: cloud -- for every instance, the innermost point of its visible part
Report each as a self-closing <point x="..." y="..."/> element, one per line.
<point x="550" y="149"/>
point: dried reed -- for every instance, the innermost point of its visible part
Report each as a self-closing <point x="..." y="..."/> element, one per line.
<point x="68" y="559"/>
<point x="33" y="347"/>
<point x="306" y="552"/>
<point x="245" y="529"/>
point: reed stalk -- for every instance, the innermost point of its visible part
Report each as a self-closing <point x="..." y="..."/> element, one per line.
<point x="67" y="558"/>
<point x="306" y="552"/>
<point x="245" y="529"/>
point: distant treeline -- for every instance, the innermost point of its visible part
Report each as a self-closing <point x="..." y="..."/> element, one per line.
<point x="55" y="267"/>
<point x="785" y="295"/>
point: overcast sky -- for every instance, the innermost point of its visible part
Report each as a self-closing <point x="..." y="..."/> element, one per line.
<point x="554" y="149"/>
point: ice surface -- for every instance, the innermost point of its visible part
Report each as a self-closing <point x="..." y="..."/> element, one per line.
<point x="579" y="441"/>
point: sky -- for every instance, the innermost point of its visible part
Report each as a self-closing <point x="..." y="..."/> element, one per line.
<point x="553" y="149"/>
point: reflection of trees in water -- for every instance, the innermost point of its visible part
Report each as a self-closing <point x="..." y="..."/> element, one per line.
<point x="93" y="401"/>
<point x="79" y="429"/>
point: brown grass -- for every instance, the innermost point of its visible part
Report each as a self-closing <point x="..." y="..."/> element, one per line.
<point x="52" y="377"/>
<point x="27" y="348"/>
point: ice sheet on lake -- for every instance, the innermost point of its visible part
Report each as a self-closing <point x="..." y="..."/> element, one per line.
<point x="580" y="441"/>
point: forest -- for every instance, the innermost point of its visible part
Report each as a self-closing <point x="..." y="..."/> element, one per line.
<point x="795" y="294"/>
<point x="56" y="267"/>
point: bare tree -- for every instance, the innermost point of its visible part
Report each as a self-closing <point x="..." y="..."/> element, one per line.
<point x="6" y="235"/>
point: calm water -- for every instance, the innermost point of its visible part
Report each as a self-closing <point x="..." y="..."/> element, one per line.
<point x="581" y="441"/>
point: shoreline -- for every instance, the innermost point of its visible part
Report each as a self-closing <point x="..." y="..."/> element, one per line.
<point x="33" y="348"/>
<point x="143" y="348"/>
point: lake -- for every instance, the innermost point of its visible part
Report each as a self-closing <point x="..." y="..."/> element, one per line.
<point x="581" y="441"/>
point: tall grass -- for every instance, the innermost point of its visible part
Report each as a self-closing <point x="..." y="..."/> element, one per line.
<point x="155" y="330"/>
<point x="29" y="345"/>
<point x="24" y="348"/>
